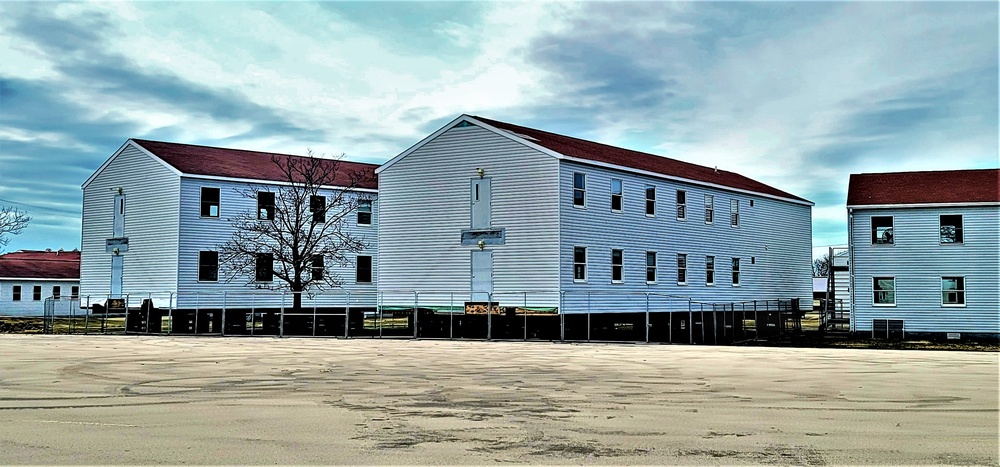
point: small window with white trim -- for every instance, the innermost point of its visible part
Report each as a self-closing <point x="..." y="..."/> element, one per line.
<point x="579" y="264"/>
<point x="365" y="212"/>
<point x="209" y="202"/>
<point x="264" y="267"/>
<point x="617" y="266"/>
<point x="681" y="204"/>
<point x="265" y="205"/>
<point x="579" y="189"/>
<point x="882" y="233"/>
<point x="953" y="291"/>
<point x="884" y="291"/>
<point x="736" y="271"/>
<point x="56" y="292"/>
<point x="951" y="228"/>
<point x="734" y="213"/>
<point x="709" y="270"/>
<point x="682" y="260"/>
<point x="208" y="266"/>
<point x="650" y="200"/>
<point x="650" y="267"/>
<point x="709" y="209"/>
<point x="16" y="293"/>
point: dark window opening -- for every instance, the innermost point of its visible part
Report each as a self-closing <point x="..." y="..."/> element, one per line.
<point x="209" y="202"/>
<point x="317" y="206"/>
<point x="616" y="194"/>
<point x="951" y="229"/>
<point x="56" y="292"/>
<point x="365" y="212"/>
<point x="580" y="263"/>
<point x="36" y="293"/>
<point x="617" y="268"/>
<point x="882" y="230"/>
<point x="265" y="205"/>
<point x="579" y="189"/>
<point x="317" y="267"/>
<point x="16" y="293"/>
<point x="74" y="292"/>
<point x="364" y="270"/>
<point x="208" y="266"/>
<point x="264" y="267"/>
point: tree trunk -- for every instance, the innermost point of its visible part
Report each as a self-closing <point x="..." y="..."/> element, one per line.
<point x="296" y="300"/>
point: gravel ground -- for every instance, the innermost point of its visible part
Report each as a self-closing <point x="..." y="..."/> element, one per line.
<point x="182" y="400"/>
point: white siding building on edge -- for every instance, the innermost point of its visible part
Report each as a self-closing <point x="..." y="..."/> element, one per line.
<point x="917" y="260"/>
<point x="27" y="305"/>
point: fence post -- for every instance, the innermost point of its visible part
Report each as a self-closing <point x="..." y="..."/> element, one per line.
<point x="224" y="296"/>
<point x="690" y="323"/>
<point x="451" y="316"/>
<point x="253" y="312"/>
<point x="588" y="316"/>
<point x="647" y="317"/>
<point x="525" y="316"/>
<point x="86" y="318"/>
<point x="314" y="316"/>
<point x="170" y="313"/>
<point x="489" y="315"/>
<point x="347" y="314"/>
<point x="281" y="316"/>
<point x="197" y="310"/>
<point x="416" y="313"/>
<point x="562" y="316"/>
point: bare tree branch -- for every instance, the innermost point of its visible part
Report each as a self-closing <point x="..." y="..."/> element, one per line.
<point x="12" y="222"/>
<point x="294" y="231"/>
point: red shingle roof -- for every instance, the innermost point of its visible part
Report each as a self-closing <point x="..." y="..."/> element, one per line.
<point x="949" y="186"/>
<point x="41" y="264"/>
<point x="237" y="163"/>
<point x="589" y="150"/>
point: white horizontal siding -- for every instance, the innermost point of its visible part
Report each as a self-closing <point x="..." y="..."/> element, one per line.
<point x="151" y="216"/>
<point x="773" y="242"/>
<point x="27" y="305"/>
<point x="918" y="260"/>
<point x="425" y="205"/>
<point x="205" y="233"/>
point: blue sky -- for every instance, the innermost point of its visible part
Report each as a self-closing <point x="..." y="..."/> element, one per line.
<point x="796" y="95"/>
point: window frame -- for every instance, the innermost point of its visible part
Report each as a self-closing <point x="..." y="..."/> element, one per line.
<point x="202" y="266"/>
<point x="36" y="293"/>
<point x="959" y="229"/>
<point x="15" y="293"/>
<point x="358" y="269"/>
<point x="265" y="208"/>
<point x="217" y="203"/>
<point x="650" y="201"/>
<point x="709" y="270"/>
<point x="876" y="240"/>
<point x="582" y="189"/>
<point x="56" y="292"/>
<point x="620" y="195"/>
<point x="651" y="268"/>
<point x="74" y="292"/>
<point x="263" y="267"/>
<point x="579" y="265"/>
<point x="709" y="209"/>
<point x="682" y="268"/>
<point x="318" y="264"/>
<point x="737" y="273"/>
<point x="318" y="210"/>
<point x="619" y="267"/>
<point x="876" y="291"/>
<point x="960" y="291"/>
<point x="362" y="212"/>
<point x="681" y="203"/>
<point x="734" y="213"/>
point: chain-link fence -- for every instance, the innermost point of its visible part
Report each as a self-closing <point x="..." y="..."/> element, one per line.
<point x="526" y="315"/>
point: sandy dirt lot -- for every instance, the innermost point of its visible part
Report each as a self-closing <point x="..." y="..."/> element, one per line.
<point x="176" y="400"/>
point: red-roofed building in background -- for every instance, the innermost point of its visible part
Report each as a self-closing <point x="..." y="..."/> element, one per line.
<point x="28" y="278"/>
<point x="925" y="253"/>
<point x="543" y="220"/>
<point x="155" y="213"/>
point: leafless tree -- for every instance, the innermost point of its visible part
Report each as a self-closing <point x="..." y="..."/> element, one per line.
<point x="821" y="266"/>
<point x="12" y="222"/>
<point x="304" y="238"/>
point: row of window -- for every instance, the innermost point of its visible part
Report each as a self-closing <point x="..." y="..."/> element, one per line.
<point x="208" y="267"/>
<point x="618" y="267"/>
<point x="36" y="293"/>
<point x="210" y="199"/>
<point x="950" y="229"/>
<point x="681" y="202"/>
<point x="952" y="291"/>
